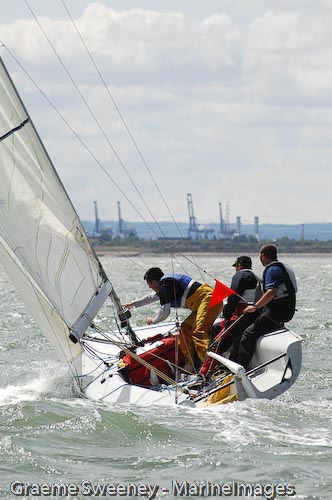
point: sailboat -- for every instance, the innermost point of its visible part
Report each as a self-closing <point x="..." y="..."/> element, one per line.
<point x="46" y="253"/>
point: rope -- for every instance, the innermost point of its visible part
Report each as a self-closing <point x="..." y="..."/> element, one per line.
<point x="145" y="363"/>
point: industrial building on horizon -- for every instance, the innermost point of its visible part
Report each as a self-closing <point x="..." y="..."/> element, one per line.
<point x="102" y="230"/>
<point x="195" y="230"/>
<point x="199" y="231"/>
<point x="110" y="229"/>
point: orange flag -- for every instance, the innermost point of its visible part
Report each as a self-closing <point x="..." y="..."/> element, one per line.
<point x="220" y="292"/>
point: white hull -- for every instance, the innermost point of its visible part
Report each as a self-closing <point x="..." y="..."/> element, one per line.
<point x="104" y="383"/>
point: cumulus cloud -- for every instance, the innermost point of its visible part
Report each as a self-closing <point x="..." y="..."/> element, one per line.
<point x="232" y="109"/>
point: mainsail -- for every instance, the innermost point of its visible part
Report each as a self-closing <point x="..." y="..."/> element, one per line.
<point x="43" y="245"/>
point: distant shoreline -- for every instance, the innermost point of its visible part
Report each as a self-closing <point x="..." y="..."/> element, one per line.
<point x="156" y="247"/>
<point x="130" y="255"/>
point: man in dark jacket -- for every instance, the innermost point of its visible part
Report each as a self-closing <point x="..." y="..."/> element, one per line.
<point x="275" y="307"/>
<point x="247" y="286"/>
<point x="248" y="289"/>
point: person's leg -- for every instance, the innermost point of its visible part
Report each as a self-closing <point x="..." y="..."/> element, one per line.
<point x="263" y="324"/>
<point x="233" y="339"/>
<point x="186" y="342"/>
<point x="205" y="316"/>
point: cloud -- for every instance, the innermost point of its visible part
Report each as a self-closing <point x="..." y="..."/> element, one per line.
<point x="234" y="110"/>
<point x="158" y="41"/>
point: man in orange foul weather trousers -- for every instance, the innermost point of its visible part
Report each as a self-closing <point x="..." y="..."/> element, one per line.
<point x="180" y="290"/>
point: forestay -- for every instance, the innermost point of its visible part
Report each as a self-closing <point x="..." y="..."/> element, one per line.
<point x="43" y="245"/>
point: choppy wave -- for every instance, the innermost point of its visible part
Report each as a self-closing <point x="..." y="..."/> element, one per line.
<point x="48" y="434"/>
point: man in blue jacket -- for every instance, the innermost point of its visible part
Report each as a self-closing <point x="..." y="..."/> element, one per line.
<point x="276" y="306"/>
<point x="180" y="290"/>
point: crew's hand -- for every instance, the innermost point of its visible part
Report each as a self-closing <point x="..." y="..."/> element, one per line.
<point x="250" y="309"/>
<point x="127" y="306"/>
<point x="149" y="321"/>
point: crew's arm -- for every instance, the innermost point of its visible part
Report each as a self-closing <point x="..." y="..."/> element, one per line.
<point x="265" y="299"/>
<point x="163" y="313"/>
<point x="143" y="301"/>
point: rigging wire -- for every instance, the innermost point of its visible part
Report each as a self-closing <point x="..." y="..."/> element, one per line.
<point x="193" y="262"/>
<point x="94" y="116"/>
<point x="129" y="133"/>
<point x="122" y="119"/>
<point x="103" y="132"/>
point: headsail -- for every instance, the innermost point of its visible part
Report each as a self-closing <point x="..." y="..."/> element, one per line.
<point x="43" y="245"/>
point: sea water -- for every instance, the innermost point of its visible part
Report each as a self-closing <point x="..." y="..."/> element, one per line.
<point x="54" y="444"/>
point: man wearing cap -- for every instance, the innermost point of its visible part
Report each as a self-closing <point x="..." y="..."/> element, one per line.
<point x="248" y="288"/>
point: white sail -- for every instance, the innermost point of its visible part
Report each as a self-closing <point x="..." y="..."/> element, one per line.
<point x="43" y="245"/>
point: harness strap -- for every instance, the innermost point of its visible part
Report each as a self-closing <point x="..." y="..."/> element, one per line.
<point x="186" y="292"/>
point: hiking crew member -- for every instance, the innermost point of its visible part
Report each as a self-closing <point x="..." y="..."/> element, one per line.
<point x="273" y="309"/>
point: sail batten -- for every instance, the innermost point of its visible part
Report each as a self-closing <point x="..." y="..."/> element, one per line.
<point x="10" y="132"/>
<point x="43" y="242"/>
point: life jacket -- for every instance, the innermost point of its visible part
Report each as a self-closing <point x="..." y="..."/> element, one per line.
<point x="288" y="288"/>
<point x="158" y="352"/>
<point x="250" y="295"/>
<point x="185" y="283"/>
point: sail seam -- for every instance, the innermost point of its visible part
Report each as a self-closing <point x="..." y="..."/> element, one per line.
<point x="15" y="129"/>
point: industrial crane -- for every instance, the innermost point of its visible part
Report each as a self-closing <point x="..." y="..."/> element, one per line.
<point x="194" y="228"/>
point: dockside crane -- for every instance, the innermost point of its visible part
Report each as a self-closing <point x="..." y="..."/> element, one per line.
<point x="193" y="228"/>
<point x="97" y="228"/>
<point x="122" y="230"/>
<point x="222" y="224"/>
<point x="256" y="224"/>
<point x="120" y="220"/>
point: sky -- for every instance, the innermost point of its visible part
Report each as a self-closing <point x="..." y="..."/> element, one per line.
<point x="227" y="100"/>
